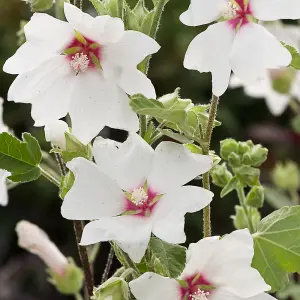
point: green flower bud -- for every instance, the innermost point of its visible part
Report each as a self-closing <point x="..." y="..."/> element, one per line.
<point x="248" y="175"/>
<point x="258" y="155"/>
<point x="286" y="176"/>
<point x="234" y="160"/>
<point x="240" y="220"/>
<point x="70" y="282"/>
<point x="246" y="159"/>
<point x="255" y="197"/>
<point x="115" y="288"/>
<point x="39" y="5"/>
<point x="220" y="175"/>
<point x="227" y="147"/>
<point x="243" y="148"/>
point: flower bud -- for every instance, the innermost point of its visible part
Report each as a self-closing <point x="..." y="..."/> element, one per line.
<point x="234" y="160"/>
<point x="240" y="220"/>
<point x="243" y="148"/>
<point x="115" y="288"/>
<point x="248" y="175"/>
<point x="246" y="159"/>
<point x="258" y="155"/>
<point x="286" y="176"/>
<point x="255" y="197"/>
<point x="55" y="133"/>
<point x="220" y="175"/>
<point x="227" y="147"/>
<point x="36" y="241"/>
<point x="39" y="5"/>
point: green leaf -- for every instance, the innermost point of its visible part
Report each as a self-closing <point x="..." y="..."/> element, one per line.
<point x="100" y="7"/>
<point x="229" y="187"/>
<point x="277" y="246"/>
<point x="295" y="56"/>
<point x="171" y="257"/>
<point x="20" y="158"/>
<point x="40" y="5"/>
<point x="66" y="184"/>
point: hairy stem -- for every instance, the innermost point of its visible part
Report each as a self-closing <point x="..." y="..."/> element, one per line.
<point x="82" y="251"/>
<point x="48" y="176"/>
<point x="206" y="180"/>
<point x="109" y="262"/>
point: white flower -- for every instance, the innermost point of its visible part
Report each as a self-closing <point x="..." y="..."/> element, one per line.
<point x="135" y="190"/>
<point x="55" y="133"/>
<point x="276" y="101"/>
<point x="36" y="241"/>
<point x="237" y="43"/>
<point x="3" y="173"/>
<point x="222" y="264"/>
<point x="84" y="68"/>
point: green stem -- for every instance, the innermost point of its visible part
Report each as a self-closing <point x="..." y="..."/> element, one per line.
<point x="78" y="296"/>
<point x="120" y="9"/>
<point x="49" y="177"/>
<point x="94" y="252"/>
<point x="206" y="146"/>
<point x="109" y="262"/>
<point x="143" y="125"/>
<point x="59" y="9"/>
<point x="294" y="196"/>
<point x="247" y="210"/>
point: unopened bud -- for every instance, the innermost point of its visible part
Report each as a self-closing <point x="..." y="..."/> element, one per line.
<point x="240" y="220"/>
<point x="39" y="5"/>
<point x="55" y="133"/>
<point x="243" y="148"/>
<point x="220" y="175"/>
<point x="255" y="197"/>
<point x="246" y="159"/>
<point x="227" y="147"/>
<point x="115" y="288"/>
<point x="258" y="155"/>
<point x="36" y="241"/>
<point x="248" y="175"/>
<point x="286" y="176"/>
<point x="234" y="160"/>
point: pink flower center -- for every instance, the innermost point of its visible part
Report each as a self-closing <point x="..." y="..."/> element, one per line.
<point x="83" y="53"/>
<point x="196" y="287"/>
<point x="142" y="202"/>
<point x="238" y="12"/>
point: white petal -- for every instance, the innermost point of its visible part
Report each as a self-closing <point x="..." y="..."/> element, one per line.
<point x="151" y="286"/>
<point x="3" y="188"/>
<point x="130" y="50"/>
<point x="295" y="90"/>
<point x="202" y="12"/>
<point x="27" y="57"/>
<point x="168" y="216"/>
<point x="128" y="163"/>
<point x="90" y="106"/>
<point x="55" y="133"/>
<point x="230" y="266"/>
<point x="235" y="82"/>
<point x="276" y="102"/>
<point x="131" y="233"/>
<point x="32" y="84"/>
<point x="48" y="33"/>
<point x="102" y="29"/>
<point x="93" y="194"/>
<point x="174" y="165"/>
<point x="222" y="294"/>
<point x="271" y="10"/>
<point x="209" y="52"/>
<point x="255" y="50"/>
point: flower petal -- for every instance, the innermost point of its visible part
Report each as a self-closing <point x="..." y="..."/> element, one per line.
<point x="295" y="89"/>
<point x="128" y="163"/>
<point x="27" y="57"/>
<point x="50" y="75"/>
<point x="131" y="233"/>
<point x="151" y="286"/>
<point x="271" y="10"/>
<point x="48" y="33"/>
<point x="3" y="188"/>
<point x="90" y="106"/>
<point x="130" y="50"/>
<point x="168" y="216"/>
<point x="276" y="102"/>
<point x="55" y="133"/>
<point x="230" y="265"/>
<point x="202" y="12"/>
<point x="255" y="50"/>
<point x="209" y="52"/>
<point x="93" y="194"/>
<point x="174" y="165"/>
<point x="222" y="294"/>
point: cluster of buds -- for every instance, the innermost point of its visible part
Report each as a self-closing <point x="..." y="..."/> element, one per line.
<point x="39" y="5"/>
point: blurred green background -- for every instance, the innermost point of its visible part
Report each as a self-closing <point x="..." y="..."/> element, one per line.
<point x="22" y="275"/>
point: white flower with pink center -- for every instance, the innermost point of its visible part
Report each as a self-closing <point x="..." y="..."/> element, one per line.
<point x="84" y="67"/>
<point x="217" y="269"/>
<point x="133" y="190"/>
<point x="276" y="100"/>
<point x="237" y="43"/>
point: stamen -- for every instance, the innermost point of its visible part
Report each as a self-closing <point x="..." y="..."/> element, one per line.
<point x="139" y="196"/>
<point x="80" y="62"/>
<point x="199" y="295"/>
<point x="230" y="9"/>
